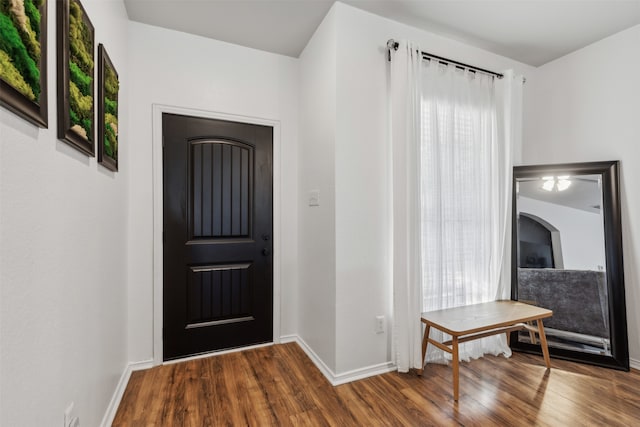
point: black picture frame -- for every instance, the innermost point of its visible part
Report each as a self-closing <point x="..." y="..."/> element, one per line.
<point x="72" y="13"/>
<point x="609" y="171"/>
<point x="107" y="150"/>
<point x="35" y="111"/>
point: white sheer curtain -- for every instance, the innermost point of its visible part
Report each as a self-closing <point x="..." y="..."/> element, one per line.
<point x="509" y="95"/>
<point x="452" y="195"/>
<point x="405" y="134"/>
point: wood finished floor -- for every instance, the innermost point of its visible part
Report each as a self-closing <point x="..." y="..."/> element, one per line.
<point x="280" y="386"/>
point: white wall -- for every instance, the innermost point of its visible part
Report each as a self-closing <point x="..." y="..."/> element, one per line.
<point x="182" y="70"/>
<point x="63" y="257"/>
<point x="317" y="232"/>
<point x="344" y="75"/>
<point x="584" y="107"/>
<point x="581" y="232"/>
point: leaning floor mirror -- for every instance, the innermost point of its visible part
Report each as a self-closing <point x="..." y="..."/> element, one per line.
<point x="567" y="257"/>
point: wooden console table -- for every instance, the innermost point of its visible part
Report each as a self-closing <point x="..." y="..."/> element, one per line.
<point x="475" y="321"/>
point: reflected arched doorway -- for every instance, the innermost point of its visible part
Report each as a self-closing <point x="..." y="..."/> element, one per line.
<point x="539" y="243"/>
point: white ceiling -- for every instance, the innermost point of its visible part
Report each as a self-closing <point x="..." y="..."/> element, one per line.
<point x="584" y="193"/>
<point x="533" y="32"/>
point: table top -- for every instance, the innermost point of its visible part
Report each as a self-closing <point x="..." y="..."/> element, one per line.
<point x="474" y="318"/>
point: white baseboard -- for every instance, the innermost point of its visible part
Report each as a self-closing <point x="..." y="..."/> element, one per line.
<point x="110" y="414"/>
<point x="344" y="377"/>
<point x="634" y="363"/>
<point x="284" y="339"/>
<point x="326" y="371"/>
<point x="361" y="373"/>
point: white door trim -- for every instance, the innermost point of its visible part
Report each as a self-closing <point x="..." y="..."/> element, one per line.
<point x="158" y="109"/>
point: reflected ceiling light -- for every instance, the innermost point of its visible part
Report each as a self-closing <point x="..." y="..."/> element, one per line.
<point x="553" y="183"/>
<point x="548" y="184"/>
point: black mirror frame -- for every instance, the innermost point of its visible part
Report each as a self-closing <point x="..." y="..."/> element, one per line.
<point x="609" y="170"/>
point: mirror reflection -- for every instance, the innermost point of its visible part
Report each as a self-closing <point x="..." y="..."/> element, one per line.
<point x="561" y="263"/>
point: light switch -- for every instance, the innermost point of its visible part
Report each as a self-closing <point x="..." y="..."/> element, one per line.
<point x="314" y="198"/>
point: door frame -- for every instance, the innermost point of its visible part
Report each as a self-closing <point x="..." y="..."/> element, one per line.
<point x="158" y="220"/>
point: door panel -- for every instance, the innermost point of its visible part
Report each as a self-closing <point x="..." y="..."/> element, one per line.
<point x="221" y="187"/>
<point x="218" y="286"/>
<point x="219" y="294"/>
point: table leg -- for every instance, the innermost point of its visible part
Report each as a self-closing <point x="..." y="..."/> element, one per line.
<point x="425" y="342"/>
<point x="532" y="335"/>
<point x="543" y="343"/>
<point x="456" y="377"/>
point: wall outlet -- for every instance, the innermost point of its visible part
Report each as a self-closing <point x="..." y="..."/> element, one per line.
<point x="380" y="325"/>
<point x="70" y="418"/>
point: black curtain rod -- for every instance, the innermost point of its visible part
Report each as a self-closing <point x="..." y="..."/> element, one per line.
<point x="392" y="44"/>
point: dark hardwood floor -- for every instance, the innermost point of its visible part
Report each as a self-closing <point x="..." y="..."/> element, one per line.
<point x="280" y="386"/>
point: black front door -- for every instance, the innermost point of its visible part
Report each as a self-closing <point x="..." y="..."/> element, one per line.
<point x="218" y="280"/>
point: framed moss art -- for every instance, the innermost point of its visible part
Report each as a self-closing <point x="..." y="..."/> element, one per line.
<point x="23" y="59"/>
<point x="108" y="86"/>
<point x="76" y="73"/>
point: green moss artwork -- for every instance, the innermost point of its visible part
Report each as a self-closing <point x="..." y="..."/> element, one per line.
<point x="20" y="54"/>
<point x="108" y="87"/>
<point x="76" y="76"/>
<point x="111" y="86"/>
<point x="80" y="73"/>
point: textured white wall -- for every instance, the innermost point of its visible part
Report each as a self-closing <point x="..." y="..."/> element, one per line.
<point x="63" y="256"/>
<point x="584" y="107"/>
<point x="317" y="233"/>
<point x="182" y="70"/>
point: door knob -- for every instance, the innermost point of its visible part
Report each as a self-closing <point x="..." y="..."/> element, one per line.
<point x="265" y="252"/>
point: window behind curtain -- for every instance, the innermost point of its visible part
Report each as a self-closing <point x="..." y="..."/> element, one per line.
<point x="458" y="189"/>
